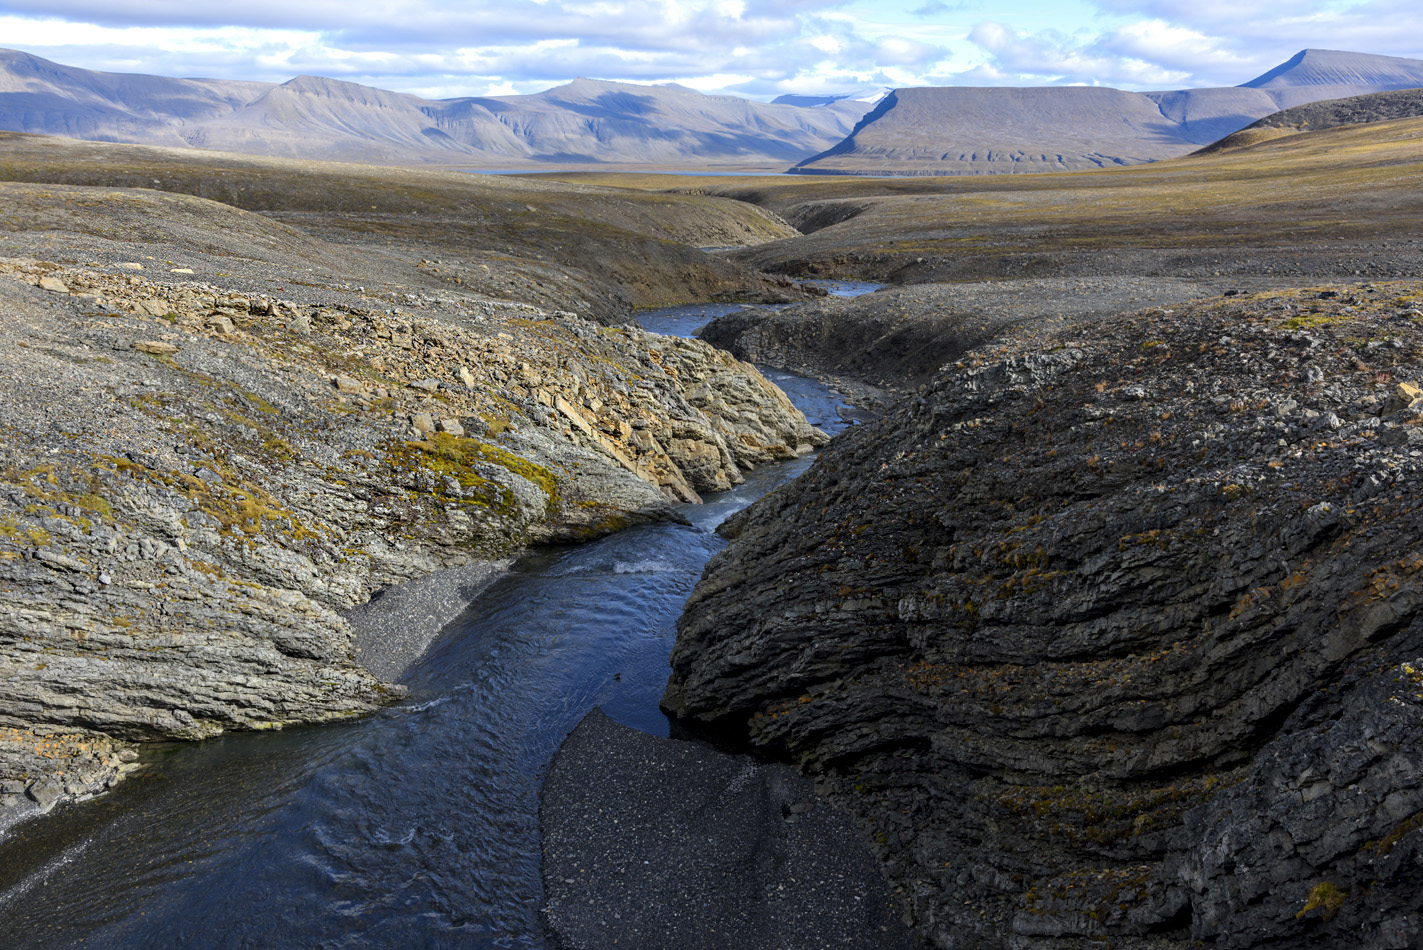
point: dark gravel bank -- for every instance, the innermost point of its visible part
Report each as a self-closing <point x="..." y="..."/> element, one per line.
<point x="653" y="843"/>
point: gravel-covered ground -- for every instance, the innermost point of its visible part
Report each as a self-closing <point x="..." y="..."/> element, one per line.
<point x="661" y="844"/>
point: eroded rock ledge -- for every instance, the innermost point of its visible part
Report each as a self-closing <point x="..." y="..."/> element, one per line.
<point x="1110" y="635"/>
<point x="196" y="480"/>
<point x="880" y="346"/>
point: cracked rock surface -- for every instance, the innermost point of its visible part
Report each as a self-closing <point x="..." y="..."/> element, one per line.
<point x="206" y="462"/>
<point x="1111" y="633"/>
<point x="879" y="346"/>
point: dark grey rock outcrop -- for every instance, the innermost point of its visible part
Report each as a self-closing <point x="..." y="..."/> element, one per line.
<point x="882" y="345"/>
<point x="1109" y="633"/>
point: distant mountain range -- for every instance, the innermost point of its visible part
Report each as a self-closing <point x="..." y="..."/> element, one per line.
<point x="945" y="130"/>
<point x="870" y="96"/>
<point x="921" y="131"/>
<point x="312" y="117"/>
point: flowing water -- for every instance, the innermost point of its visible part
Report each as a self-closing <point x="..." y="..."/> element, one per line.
<point x="416" y="826"/>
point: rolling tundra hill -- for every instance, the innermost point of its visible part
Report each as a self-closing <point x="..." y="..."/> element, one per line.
<point x="589" y="251"/>
<point x="1329" y="204"/>
<point x="965" y="130"/>
<point x="328" y="119"/>
<point x="1328" y="114"/>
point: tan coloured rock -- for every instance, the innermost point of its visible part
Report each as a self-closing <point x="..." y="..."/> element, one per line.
<point x="156" y="347"/>
<point x="1404" y="396"/>
<point x="701" y="462"/>
<point x="573" y="416"/>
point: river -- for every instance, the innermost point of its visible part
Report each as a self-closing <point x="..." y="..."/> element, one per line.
<point x="416" y="826"/>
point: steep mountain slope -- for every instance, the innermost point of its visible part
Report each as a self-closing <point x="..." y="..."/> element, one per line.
<point x="592" y="120"/>
<point x="47" y="98"/>
<point x="320" y="118"/>
<point x="962" y="130"/>
<point x="314" y="115"/>
<point x="1331" y="67"/>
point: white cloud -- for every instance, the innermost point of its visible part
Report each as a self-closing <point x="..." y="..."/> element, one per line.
<point x="1052" y="58"/>
<point x="454" y="48"/>
<point x="1224" y="42"/>
<point x="636" y="24"/>
<point x="756" y="47"/>
<point x="1172" y="46"/>
<point x="1187" y="43"/>
<point x="936" y="8"/>
<point x="896" y="51"/>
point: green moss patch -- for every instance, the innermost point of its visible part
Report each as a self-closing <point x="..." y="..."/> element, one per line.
<point x="456" y="457"/>
<point x="1308" y="322"/>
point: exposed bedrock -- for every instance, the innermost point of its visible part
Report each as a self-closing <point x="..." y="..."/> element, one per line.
<point x="1110" y="632"/>
<point x="887" y="343"/>
<point x="196" y="481"/>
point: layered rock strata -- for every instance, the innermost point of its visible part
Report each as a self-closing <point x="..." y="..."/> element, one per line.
<point x="1110" y="634"/>
<point x="196" y="480"/>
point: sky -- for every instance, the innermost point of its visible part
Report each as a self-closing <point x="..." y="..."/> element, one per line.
<point x="758" y="49"/>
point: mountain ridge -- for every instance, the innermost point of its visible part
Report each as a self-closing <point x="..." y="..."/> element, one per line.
<point x="942" y="130"/>
<point x="1332" y="67"/>
<point x="914" y="131"/>
<point x="316" y="117"/>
